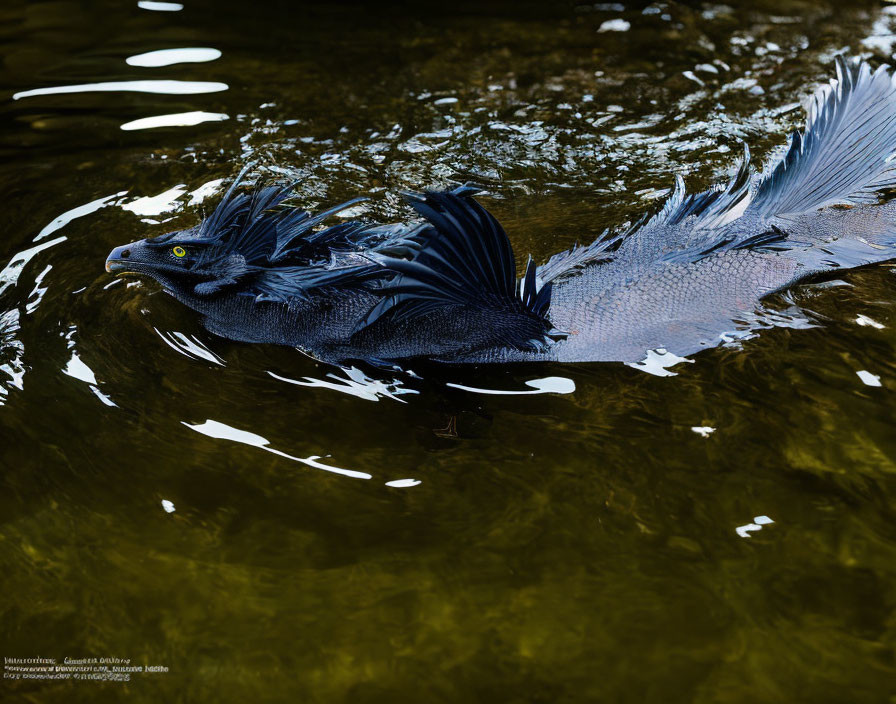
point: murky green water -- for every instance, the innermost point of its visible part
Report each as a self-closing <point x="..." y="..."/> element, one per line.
<point x="578" y="547"/>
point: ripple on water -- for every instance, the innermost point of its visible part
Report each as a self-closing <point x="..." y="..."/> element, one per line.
<point x="354" y="383"/>
<point x="12" y="352"/>
<point x="547" y="385"/>
<point x="190" y="346"/>
<point x="218" y="430"/>
<point x="600" y="497"/>
<point x="158" y="6"/>
<point x="179" y="119"/>
<point x="169" y="57"/>
<point x="164" y="87"/>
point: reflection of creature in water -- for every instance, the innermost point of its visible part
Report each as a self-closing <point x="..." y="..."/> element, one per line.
<point x="690" y="277"/>
<point x="449" y="431"/>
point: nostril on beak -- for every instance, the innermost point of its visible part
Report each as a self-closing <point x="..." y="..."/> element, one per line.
<point x="115" y="262"/>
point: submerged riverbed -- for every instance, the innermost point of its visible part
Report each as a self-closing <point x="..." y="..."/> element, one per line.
<point x="269" y="528"/>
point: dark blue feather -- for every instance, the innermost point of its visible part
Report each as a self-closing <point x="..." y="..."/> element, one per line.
<point x="464" y="258"/>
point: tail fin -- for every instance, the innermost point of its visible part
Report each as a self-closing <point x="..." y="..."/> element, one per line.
<point x="464" y="258"/>
<point x="844" y="154"/>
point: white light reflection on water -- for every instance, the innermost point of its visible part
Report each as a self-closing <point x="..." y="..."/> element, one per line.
<point x="169" y="57"/>
<point x="179" y="119"/>
<point x="221" y="431"/>
<point x="658" y="361"/>
<point x="205" y="190"/>
<point x="868" y="378"/>
<point x="102" y="397"/>
<point x="12" y="350"/>
<point x="758" y="522"/>
<point x="882" y="37"/>
<point x="77" y="369"/>
<point x="166" y="87"/>
<point x="617" y="25"/>
<point x="156" y="205"/>
<point x="169" y="201"/>
<point x="547" y="385"/>
<point x="703" y="431"/>
<point x="189" y="346"/>
<point x="403" y="483"/>
<point x="160" y="6"/>
<point x="82" y="210"/>
<point x="358" y="384"/>
<point x="11" y="272"/>
<point x="37" y="293"/>
<point x="865" y="321"/>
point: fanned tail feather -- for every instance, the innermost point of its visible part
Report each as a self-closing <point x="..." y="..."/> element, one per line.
<point x="845" y="152"/>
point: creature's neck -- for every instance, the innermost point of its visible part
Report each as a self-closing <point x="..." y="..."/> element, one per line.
<point x="183" y="292"/>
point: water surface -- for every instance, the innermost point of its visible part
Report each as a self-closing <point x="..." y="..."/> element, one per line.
<point x="274" y="529"/>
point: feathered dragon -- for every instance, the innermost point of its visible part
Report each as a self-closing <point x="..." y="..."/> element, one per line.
<point x="446" y="288"/>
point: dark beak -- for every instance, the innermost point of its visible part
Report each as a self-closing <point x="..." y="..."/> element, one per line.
<point x="117" y="260"/>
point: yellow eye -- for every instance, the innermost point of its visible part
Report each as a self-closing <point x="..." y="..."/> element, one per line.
<point x="179" y="251"/>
